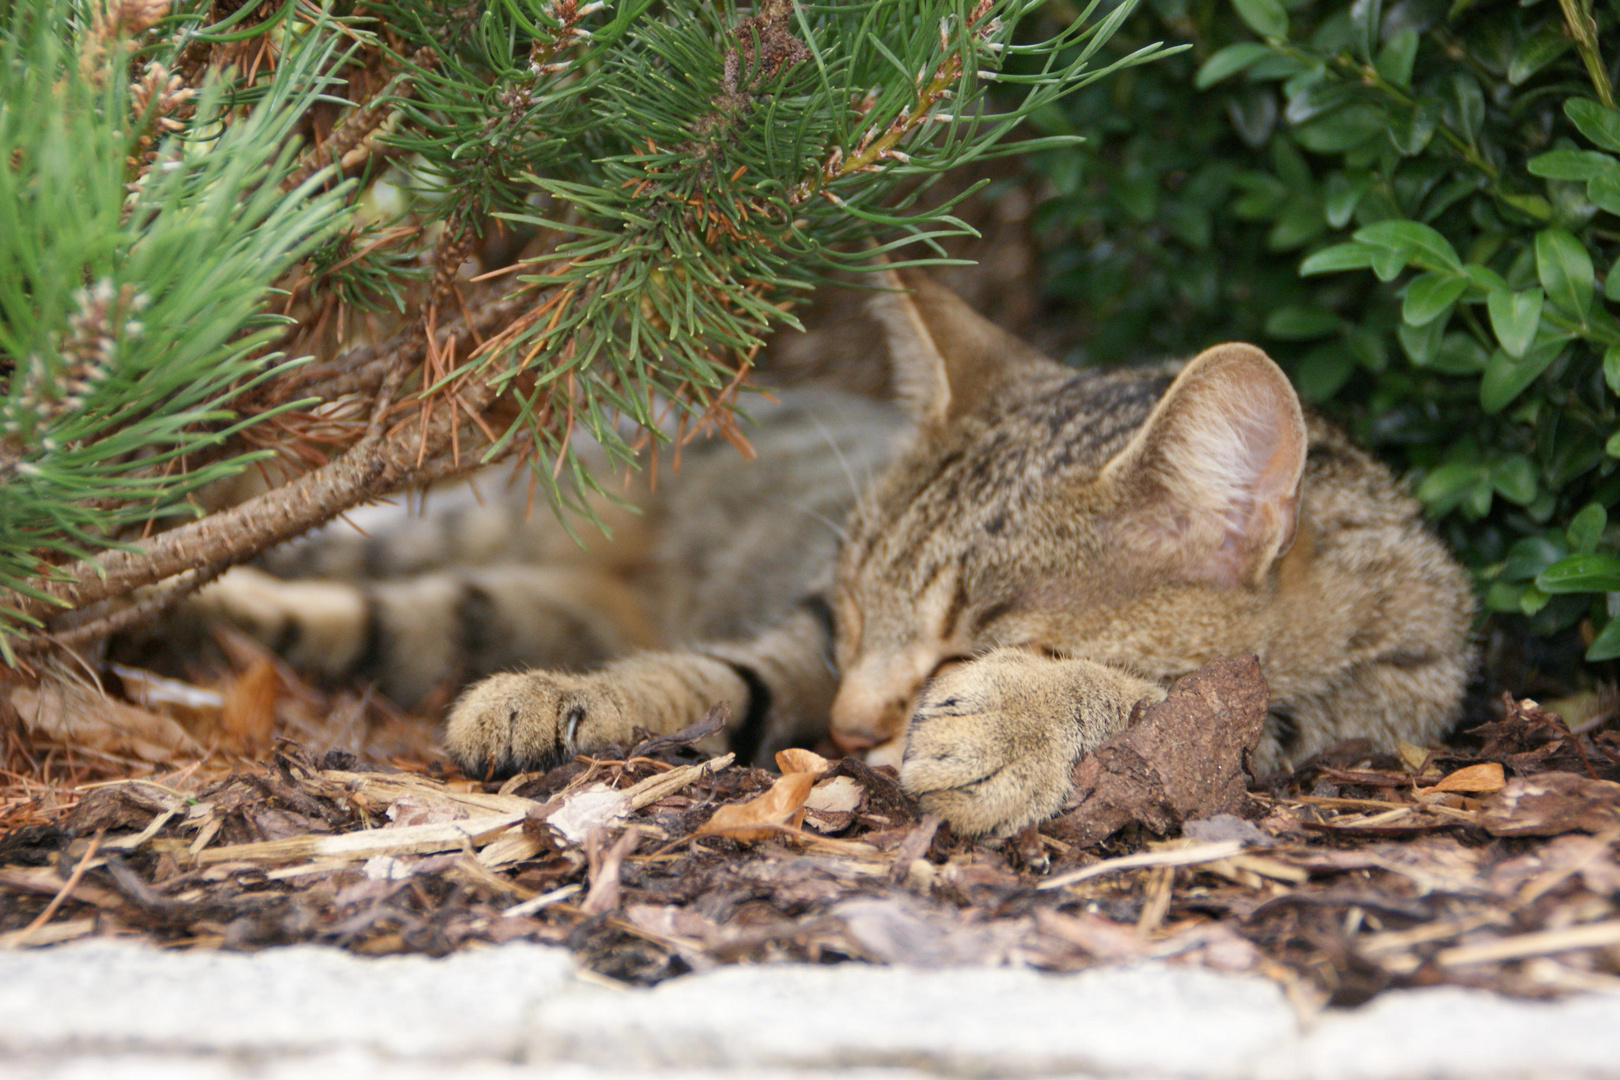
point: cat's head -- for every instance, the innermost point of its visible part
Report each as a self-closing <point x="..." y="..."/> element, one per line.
<point x="1070" y="512"/>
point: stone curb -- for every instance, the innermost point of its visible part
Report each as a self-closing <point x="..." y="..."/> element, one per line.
<point x="118" y="1009"/>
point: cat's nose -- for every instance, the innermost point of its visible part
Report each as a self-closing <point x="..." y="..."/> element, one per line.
<point x="864" y="715"/>
<point x="852" y="742"/>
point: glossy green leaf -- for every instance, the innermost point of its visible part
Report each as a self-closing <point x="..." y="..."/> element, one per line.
<point x="1329" y="260"/>
<point x="1606" y="646"/>
<point x="1586" y="528"/>
<point x="1343" y="129"/>
<point x="1572" y="165"/>
<point x="1341" y="195"/>
<point x="1265" y="17"/>
<point x="1600" y="125"/>
<point x="1536" y="52"/>
<point x="1530" y="556"/>
<point x="1506" y="378"/>
<point x="1611" y="368"/>
<point x="1395" y="59"/>
<point x="1515" y="318"/>
<point x="1412" y="236"/>
<point x="1324" y="371"/>
<point x="1448" y="485"/>
<point x="1514" y="478"/>
<point x="1422" y="343"/>
<point x="1565" y="270"/>
<point x="1462" y="104"/>
<point x="1604" y="191"/>
<point x="1580" y="573"/>
<point x="1411" y="130"/>
<point x="1429" y="295"/>
<point x="1228" y="62"/>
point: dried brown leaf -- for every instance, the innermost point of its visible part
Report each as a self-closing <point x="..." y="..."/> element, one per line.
<point x="79" y="715"/>
<point x="1482" y="778"/>
<point x="797" y="760"/>
<point x="763" y="816"/>
<point x="248" y="720"/>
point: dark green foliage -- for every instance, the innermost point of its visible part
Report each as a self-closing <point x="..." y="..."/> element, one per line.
<point x="1415" y="207"/>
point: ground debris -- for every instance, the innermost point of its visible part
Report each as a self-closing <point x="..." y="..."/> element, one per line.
<point x="1492" y="864"/>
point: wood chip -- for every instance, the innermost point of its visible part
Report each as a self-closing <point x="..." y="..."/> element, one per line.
<point x="411" y="840"/>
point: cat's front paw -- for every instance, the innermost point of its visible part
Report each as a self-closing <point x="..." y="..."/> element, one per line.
<point x="534" y="720"/>
<point x="990" y="745"/>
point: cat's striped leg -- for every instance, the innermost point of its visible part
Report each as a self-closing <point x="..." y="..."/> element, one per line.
<point x="776" y="686"/>
<point x="992" y="742"/>
<point x="414" y="634"/>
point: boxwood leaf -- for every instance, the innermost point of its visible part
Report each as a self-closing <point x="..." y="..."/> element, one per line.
<point x="1430" y="294"/>
<point x="1395" y="59"/>
<point x="1265" y="17"/>
<point x="1606" y="646"/>
<point x="1565" y="270"/>
<point x="1515" y="317"/>
<point x="1448" y="485"/>
<point x="1586" y="528"/>
<point x="1351" y="256"/>
<point x="1529" y="556"/>
<point x="1599" y="124"/>
<point x="1228" y="62"/>
<point x="1514" y="478"/>
<point x="1413" y="235"/>
<point x="1506" y="378"/>
<point x="1580" y="573"/>
<point x="1572" y="165"/>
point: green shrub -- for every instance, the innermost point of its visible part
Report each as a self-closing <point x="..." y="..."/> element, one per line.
<point x="1415" y="207"/>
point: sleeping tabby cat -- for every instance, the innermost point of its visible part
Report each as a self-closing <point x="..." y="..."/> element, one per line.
<point x="992" y="574"/>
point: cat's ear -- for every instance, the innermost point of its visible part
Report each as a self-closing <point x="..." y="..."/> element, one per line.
<point x="946" y="357"/>
<point x="1210" y="484"/>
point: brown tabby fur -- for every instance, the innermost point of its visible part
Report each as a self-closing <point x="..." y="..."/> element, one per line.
<point x="1044" y="548"/>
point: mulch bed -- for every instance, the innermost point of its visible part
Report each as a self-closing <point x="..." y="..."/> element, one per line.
<point x="1493" y="864"/>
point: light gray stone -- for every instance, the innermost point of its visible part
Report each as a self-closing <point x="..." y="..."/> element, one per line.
<point x="1150" y="1020"/>
<point x="104" y="995"/>
<point x="103" y="1009"/>
<point x="1448" y="1033"/>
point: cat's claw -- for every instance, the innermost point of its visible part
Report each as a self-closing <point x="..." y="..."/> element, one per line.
<point x="511" y="723"/>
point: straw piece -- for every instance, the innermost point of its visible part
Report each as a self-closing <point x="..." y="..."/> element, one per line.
<point x="1187" y="856"/>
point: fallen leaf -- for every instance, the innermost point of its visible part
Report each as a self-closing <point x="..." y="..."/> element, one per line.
<point x="840" y="795"/>
<point x="1184" y="758"/>
<point x="593" y="807"/>
<point x="248" y="720"/>
<point x="1412" y="756"/>
<point x="1486" y="777"/>
<point x="1552" y="803"/>
<point x="782" y="805"/>
<point x="81" y="716"/>
<point x="795" y="760"/>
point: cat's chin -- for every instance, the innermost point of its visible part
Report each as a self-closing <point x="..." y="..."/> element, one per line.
<point x="889" y="753"/>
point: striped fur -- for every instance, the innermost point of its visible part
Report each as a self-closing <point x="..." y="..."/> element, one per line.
<point x="981" y="591"/>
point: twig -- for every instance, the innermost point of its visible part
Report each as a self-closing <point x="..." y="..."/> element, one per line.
<point x="72" y="883"/>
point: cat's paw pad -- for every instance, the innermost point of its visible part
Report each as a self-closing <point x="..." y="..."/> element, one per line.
<point x="512" y="723"/>
<point x="988" y="747"/>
